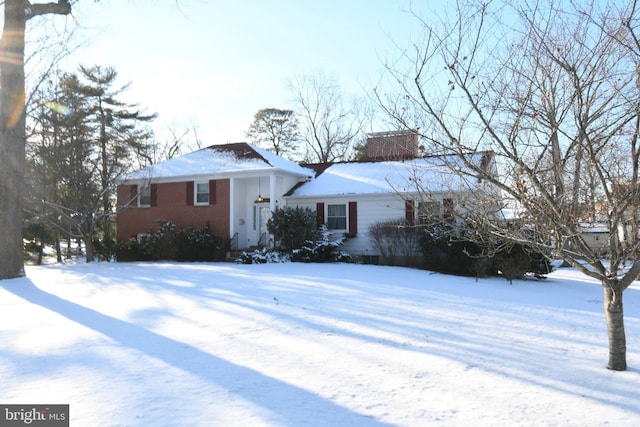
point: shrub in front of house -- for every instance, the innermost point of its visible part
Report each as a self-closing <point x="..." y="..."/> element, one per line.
<point x="450" y="249"/>
<point x="299" y="238"/>
<point x="263" y="256"/>
<point x="167" y="243"/>
<point x="157" y="244"/>
<point x="322" y="249"/>
<point x="199" y="244"/>
<point x="516" y="261"/>
<point x="162" y="241"/>
<point x="104" y="249"/>
<point x="293" y="227"/>
<point x="445" y="249"/>
<point x="133" y="250"/>
<point x="395" y="239"/>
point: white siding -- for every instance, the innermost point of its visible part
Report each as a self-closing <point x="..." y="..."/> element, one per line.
<point x="371" y="209"/>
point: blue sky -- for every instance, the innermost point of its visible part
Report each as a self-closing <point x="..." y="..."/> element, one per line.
<point x="214" y="64"/>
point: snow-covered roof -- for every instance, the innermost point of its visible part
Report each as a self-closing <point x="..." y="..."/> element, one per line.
<point x="409" y="176"/>
<point x="224" y="159"/>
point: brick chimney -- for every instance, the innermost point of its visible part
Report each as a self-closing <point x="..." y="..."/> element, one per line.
<point x="396" y="145"/>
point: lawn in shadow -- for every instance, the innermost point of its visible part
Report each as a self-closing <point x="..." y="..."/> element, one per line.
<point x="288" y="404"/>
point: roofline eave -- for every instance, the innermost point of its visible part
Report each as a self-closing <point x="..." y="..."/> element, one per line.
<point x="214" y="175"/>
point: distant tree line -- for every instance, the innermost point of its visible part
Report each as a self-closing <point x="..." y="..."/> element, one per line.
<point x="326" y="125"/>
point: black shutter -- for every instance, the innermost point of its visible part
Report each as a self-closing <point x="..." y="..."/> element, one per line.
<point x="154" y="194"/>
<point x="133" y="195"/>
<point x="353" y="217"/>
<point x="320" y="212"/>
<point x="212" y="192"/>
<point x="189" y="193"/>
<point x="409" y="212"/>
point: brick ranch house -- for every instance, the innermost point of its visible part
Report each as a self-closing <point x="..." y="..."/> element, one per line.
<point x="235" y="187"/>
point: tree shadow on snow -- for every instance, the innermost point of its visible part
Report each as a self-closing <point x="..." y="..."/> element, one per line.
<point x="289" y="404"/>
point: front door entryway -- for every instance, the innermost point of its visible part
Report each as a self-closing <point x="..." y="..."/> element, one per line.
<point x="263" y="233"/>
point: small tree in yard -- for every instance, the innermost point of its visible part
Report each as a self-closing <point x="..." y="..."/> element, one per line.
<point x="301" y="239"/>
<point x="553" y="90"/>
<point x="292" y="227"/>
<point x="322" y="249"/>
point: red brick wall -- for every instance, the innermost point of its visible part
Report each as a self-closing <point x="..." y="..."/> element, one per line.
<point x="171" y="204"/>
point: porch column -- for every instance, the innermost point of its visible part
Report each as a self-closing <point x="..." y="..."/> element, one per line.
<point x="232" y="213"/>
<point x="272" y="193"/>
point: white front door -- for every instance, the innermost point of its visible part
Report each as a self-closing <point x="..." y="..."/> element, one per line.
<point x="263" y="234"/>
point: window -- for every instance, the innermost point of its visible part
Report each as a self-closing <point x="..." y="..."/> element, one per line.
<point x="202" y="193"/>
<point x="144" y="196"/>
<point x="337" y="217"/>
<point x="427" y="211"/>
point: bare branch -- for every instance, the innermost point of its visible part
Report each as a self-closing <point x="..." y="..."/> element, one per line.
<point x="62" y="7"/>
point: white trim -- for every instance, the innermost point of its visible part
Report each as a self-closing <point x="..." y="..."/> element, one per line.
<point x="346" y="216"/>
<point x="217" y="176"/>
<point x="139" y="203"/>
<point x="195" y="193"/>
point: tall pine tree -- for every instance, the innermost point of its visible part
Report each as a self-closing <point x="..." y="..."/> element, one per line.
<point x="83" y="142"/>
<point x="118" y="132"/>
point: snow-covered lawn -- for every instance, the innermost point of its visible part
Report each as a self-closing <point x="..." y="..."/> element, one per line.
<point x="170" y="344"/>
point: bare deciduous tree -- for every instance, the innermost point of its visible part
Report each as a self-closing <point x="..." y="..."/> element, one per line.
<point x="552" y="89"/>
<point x="331" y="124"/>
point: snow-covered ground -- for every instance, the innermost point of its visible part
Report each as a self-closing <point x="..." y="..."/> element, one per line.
<point x="170" y="344"/>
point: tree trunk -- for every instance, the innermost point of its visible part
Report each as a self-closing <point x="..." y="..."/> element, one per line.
<point x="614" y="317"/>
<point x="58" y="249"/>
<point x="40" y="253"/>
<point x="12" y="132"/>
<point x="12" y="139"/>
<point x="88" y="248"/>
